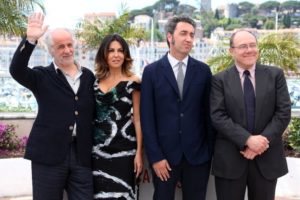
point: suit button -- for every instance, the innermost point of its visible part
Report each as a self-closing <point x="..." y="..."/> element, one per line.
<point x="180" y="131"/>
<point x="71" y="128"/>
<point x="76" y="98"/>
<point x="76" y="112"/>
<point x="181" y="114"/>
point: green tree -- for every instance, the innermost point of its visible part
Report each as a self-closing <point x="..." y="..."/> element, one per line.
<point x="268" y="6"/>
<point x="255" y="11"/>
<point x="92" y="33"/>
<point x="157" y="36"/>
<point x="281" y="50"/>
<point x="291" y="6"/>
<point x="208" y="21"/>
<point x="224" y="22"/>
<point x="269" y="24"/>
<point x="245" y="7"/>
<point x="293" y="136"/>
<point x="13" y="15"/>
<point x="233" y="23"/>
<point x="233" y="26"/>
<point x="161" y="5"/>
<point x="253" y="22"/>
<point x="217" y="14"/>
<point x="145" y="11"/>
<point x="167" y="5"/>
<point x="286" y="21"/>
<point x="184" y="8"/>
<point x="250" y="20"/>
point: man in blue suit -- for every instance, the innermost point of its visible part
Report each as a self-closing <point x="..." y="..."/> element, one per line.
<point x="175" y="116"/>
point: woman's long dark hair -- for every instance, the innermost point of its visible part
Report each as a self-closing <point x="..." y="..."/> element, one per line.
<point x="101" y="66"/>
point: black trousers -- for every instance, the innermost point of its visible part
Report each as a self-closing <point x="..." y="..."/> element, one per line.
<point x="49" y="182"/>
<point x="193" y="179"/>
<point x="258" y="187"/>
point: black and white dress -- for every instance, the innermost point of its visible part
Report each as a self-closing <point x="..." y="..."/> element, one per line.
<point x="114" y="143"/>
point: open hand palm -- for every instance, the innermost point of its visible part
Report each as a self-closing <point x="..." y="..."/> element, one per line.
<point x="35" y="28"/>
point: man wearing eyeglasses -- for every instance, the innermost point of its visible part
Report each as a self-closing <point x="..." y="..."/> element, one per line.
<point x="250" y="109"/>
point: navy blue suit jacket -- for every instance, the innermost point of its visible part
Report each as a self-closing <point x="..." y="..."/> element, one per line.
<point x="58" y="109"/>
<point x="173" y="127"/>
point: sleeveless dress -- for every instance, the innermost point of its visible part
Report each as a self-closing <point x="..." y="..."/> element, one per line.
<point x="114" y="145"/>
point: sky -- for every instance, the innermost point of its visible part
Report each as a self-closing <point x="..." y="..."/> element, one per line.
<point x="66" y="13"/>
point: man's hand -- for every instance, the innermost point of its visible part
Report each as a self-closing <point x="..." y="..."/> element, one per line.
<point x="35" y="28"/>
<point x="257" y="143"/>
<point x="249" y="154"/>
<point x="161" y="169"/>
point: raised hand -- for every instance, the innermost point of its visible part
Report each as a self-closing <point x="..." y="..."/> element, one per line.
<point x="35" y="28"/>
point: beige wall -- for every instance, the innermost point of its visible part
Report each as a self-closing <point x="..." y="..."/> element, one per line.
<point x="23" y="123"/>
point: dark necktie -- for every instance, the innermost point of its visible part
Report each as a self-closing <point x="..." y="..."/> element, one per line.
<point x="180" y="78"/>
<point x="249" y="97"/>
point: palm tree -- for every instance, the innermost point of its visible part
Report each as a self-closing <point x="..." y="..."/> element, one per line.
<point x="13" y="15"/>
<point x="93" y="32"/>
<point x="276" y="49"/>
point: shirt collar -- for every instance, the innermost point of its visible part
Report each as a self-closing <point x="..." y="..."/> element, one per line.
<point x="251" y="70"/>
<point x="173" y="61"/>
<point x="76" y="63"/>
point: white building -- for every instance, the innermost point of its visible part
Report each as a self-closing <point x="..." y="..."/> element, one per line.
<point x="143" y="21"/>
<point x="103" y="16"/>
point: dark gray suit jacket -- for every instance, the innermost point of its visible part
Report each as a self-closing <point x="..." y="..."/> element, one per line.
<point x="272" y="115"/>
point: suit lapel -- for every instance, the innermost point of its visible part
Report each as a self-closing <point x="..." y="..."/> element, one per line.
<point x="82" y="78"/>
<point x="260" y="89"/>
<point x="59" y="76"/>
<point x="190" y="72"/>
<point x="169" y="74"/>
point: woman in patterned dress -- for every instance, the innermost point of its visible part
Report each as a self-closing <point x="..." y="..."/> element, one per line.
<point x="117" y="150"/>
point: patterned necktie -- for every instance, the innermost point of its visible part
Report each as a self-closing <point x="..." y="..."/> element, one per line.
<point x="249" y="97"/>
<point x="180" y="78"/>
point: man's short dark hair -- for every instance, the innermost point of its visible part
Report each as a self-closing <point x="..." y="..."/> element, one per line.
<point x="172" y="23"/>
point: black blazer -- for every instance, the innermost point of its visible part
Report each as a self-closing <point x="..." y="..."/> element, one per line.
<point x="272" y="115"/>
<point x="58" y="109"/>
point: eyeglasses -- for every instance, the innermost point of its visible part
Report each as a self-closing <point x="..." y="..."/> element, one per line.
<point x="245" y="47"/>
